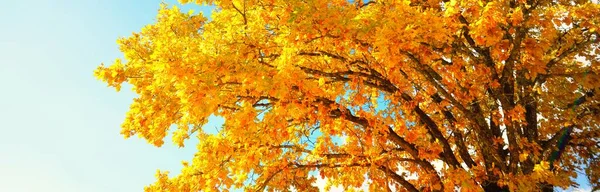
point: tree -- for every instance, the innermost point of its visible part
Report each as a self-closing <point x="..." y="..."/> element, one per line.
<point x="401" y="95"/>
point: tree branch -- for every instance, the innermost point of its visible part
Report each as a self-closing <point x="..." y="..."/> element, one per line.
<point x="409" y="186"/>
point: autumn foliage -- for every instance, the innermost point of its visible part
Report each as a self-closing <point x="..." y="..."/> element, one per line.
<point x="395" y="95"/>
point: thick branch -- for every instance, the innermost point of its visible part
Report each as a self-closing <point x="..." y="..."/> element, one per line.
<point x="459" y="139"/>
<point x="477" y="118"/>
<point x="410" y="187"/>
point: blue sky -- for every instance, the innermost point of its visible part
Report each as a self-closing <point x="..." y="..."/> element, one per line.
<point x="59" y="125"/>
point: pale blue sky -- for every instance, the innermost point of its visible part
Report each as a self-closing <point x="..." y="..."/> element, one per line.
<point x="59" y="126"/>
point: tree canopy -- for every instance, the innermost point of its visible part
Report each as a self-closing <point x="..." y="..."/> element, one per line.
<point x="397" y="95"/>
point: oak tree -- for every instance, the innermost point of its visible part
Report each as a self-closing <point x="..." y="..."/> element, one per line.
<point x="411" y="95"/>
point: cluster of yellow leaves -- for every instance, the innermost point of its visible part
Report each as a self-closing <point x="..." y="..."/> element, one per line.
<point x="482" y="86"/>
<point x="487" y="29"/>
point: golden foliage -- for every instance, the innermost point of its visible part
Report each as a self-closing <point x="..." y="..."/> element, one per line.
<point x="485" y="87"/>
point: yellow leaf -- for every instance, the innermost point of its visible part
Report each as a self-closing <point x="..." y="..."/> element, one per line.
<point x="523" y="156"/>
<point x="321" y="81"/>
<point x="542" y="166"/>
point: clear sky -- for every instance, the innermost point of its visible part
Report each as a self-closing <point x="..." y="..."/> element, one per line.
<point x="59" y="126"/>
